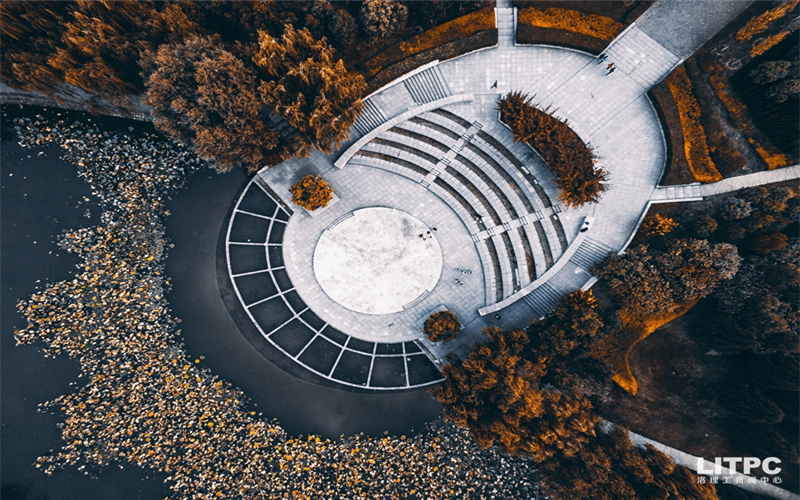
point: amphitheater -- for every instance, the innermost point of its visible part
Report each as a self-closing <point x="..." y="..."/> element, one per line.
<point x="429" y="145"/>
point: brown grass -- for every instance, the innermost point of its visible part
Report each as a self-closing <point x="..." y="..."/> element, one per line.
<point x="771" y="41"/>
<point x="573" y="21"/>
<point x="615" y="349"/>
<point x="457" y="29"/>
<point x="738" y="113"/>
<point x="694" y="136"/>
<point x="762" y="23"/>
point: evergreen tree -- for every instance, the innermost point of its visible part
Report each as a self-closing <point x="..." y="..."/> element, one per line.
<point x="303" y="83"/>
<point x="382" y="18"/>
<point x="495" y="393"/>
<point x="203" y="94"/>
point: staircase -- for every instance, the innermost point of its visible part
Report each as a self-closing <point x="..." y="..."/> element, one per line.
<point x="640" y="57"/>
<point x="371" y="117"/>
<point x="590" y="253"/>
<point x="427" y="86"/>
<point x="542" y="299"/>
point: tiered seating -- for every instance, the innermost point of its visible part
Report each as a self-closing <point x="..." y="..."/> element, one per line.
<point x="482" y="174"/>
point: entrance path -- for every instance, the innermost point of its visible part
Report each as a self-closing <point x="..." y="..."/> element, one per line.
<point x="692" y="192"/>
<point x="682" y="26"/>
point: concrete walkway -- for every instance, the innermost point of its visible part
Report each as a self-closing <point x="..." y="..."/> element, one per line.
<point x="505" y="18"/>
<point x="693" y="192"/>
<point x="726" y="476"/>
<point x="683" y="26"/>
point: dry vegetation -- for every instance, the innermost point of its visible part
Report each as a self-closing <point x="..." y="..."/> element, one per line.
<point x="571" y="160"/>
<point x="761" y="23"/>
<point x="694" y="136"/>
<point x="573" y="21"/>
<point x="457" y="29"/>
<point x="738" y="112"/>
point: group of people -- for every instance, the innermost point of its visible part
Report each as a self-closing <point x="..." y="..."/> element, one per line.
<point x="146" y="402"/>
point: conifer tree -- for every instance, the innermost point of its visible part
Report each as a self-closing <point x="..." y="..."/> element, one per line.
<point x="495" y="393"/>
<point x="304" y="84"/>
<point x="203" y="94"/>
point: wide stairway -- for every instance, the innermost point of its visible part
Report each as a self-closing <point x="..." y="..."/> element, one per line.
<point x="490" y="183"/>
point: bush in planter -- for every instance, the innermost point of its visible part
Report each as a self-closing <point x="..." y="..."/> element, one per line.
<point x="441" y="326"/>
<point x="571" y="160"/>
<point x="311" y="192"/>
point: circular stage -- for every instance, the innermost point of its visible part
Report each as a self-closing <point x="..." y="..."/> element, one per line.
<point x="377" y="260"/>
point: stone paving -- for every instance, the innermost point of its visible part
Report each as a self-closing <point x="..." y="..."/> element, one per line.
<point x="360" y="186"/>
<point x="692" y="192"/>
<point x="609" y="111"/>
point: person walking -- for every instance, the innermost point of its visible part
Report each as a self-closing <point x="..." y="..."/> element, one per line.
<point x="602" y="57"/>
<point x="611" y="70"/>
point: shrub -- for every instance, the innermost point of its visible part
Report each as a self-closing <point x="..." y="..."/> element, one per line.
<point x="311" y="192"/>
<point x="658" y="225"/>
<point x="694" y="136"/>
<point x="381" y="18"/>
<point x="457" y="29"/>
<point x="573" y="21"/>
<point x="705" y="225"/>
<point x="768" y="243"/>
<point x="762" y="23"/>
<point x="771" y="41"/>
<point x="441" y="327"/>
<point x="571" y="160"/>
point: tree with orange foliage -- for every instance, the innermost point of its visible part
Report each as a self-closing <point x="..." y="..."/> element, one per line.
<point x="559" y="343"/>
<point x="311" y="192"/>
<point x="611" y="467"/>
<point x="31" y="31"/>
<point x="305" y="85"/>
<point x="441" y="326"/>
<point x="658" y="225"/>
<point x="571" y="160"/>
<point x="495" y="393"/>
<point x="203" y="94"/>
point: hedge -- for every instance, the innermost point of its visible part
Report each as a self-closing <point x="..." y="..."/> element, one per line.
<point x="451" y="31"/>
<point x="591" y="25"/>
<point x="677" y="168"/>
<point x="443" y="52"/>
<point x="694" y="136"/>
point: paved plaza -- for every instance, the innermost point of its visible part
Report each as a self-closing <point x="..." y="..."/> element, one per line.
<point x="430" y="145"/>
<point x="377" y="260"/>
